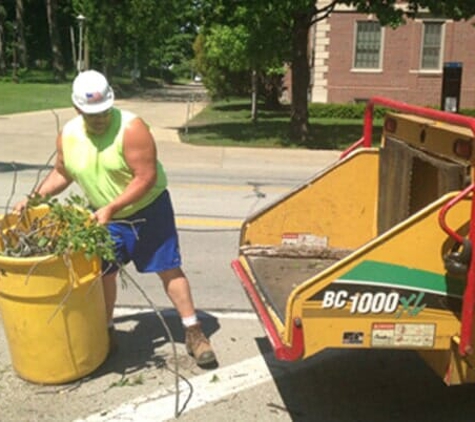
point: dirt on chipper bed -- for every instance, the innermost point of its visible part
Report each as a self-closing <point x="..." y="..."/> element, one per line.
<point x="278" y="270"/>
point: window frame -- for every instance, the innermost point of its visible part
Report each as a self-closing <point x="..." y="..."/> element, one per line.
<point x="379" y="66"/>
<point x="442" y="24"/>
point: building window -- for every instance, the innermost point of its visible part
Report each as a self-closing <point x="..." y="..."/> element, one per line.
<point x="368" y="45"/>
<point x="431" y="45"/>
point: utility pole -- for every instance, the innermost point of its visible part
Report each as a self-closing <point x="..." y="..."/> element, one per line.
<point x="80" y="64"/>
<point x="15" y="53"/>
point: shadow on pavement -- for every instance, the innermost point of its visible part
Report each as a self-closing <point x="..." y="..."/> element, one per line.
<point x="139" y="347"/>
<point x="339" y="385"/>
<point x="170" y="94"/>
<point x="11" y="167"/>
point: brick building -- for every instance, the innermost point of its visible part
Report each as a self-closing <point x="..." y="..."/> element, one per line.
<point x="354" y="58"/>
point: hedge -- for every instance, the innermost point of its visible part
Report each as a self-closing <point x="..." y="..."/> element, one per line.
<point x="356" y="111"/>
<point x="341" y="111"/>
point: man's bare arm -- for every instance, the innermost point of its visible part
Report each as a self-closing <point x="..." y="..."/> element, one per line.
<point x="141" y="156"/>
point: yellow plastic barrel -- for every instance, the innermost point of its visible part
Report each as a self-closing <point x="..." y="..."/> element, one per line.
<point x="53" y="314"/>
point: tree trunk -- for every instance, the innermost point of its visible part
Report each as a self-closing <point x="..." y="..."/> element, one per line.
<point x="20" y="34"/>
<point x="254" y="96"/>
<point x="109" y="47"/>
<point x="86" y="49"/>
<point x="57" y="56"/>
<point x="272" y="87"/>
<point x="3" y="62"/>
<point x="299" y="126"/>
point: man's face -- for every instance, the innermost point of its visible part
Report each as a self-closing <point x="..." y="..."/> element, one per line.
<point x="97" y="124"/>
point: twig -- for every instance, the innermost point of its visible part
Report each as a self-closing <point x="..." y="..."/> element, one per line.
<point x="123" y="273"/>
<point x="37" y="181"/>
<point x="13" y="189"/>
<point x="190" y="386"/>
<point x="72" y="279"/>
<point x="99" y="278"/>
<point x="33" y="267"/>
<point x="58" y="129"/>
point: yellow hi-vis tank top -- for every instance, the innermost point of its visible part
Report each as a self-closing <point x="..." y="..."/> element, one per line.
<point x="97" y="164"/>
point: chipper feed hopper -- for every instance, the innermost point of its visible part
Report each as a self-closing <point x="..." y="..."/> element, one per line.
<point x="375" y="251"/>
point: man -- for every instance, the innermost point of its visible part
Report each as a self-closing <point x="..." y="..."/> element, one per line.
<point x="112" y="156"/>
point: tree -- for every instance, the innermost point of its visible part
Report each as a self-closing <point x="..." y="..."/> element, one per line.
<point x="295" y="18"/>
<point x="305" y="13"/>
<point x="228" y="47"/>
<point x="57" y="56"/>
<point x="173" y="54"/>
<point x="101" y="23"/>
<point x="132" y="36"/>
<point x="239" y="38"/>
<point x="3" y="64"/>
<point x="20" y="42"/>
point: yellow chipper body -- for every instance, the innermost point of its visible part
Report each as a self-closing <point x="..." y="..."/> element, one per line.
<point x="375" y="251"/>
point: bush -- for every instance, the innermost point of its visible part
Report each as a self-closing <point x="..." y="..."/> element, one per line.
<point x="467" y="112"/>
<point x="356" y="111"/>
<point x="342" y="111"/>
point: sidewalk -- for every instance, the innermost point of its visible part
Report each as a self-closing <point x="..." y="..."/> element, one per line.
<point x="28" y="144"/>
<point x="29" y="139"/>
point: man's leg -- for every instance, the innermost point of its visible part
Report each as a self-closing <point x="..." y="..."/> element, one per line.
<point x="109" y="283"/>
<point x="178" y="290"/>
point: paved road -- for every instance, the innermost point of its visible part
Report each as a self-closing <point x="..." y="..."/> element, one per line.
<point x="144" y="368"/>
<point x="138" y="384"/>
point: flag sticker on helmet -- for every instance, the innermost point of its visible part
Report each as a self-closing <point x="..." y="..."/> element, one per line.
<point x="94" y="97"/>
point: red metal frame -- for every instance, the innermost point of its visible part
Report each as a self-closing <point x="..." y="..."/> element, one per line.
<point x="281" y="350"/>
<point x="445" y="209"/>
<point x="443" y="116"/>
<point x="351" y="148"/>
<point x="465" y="346"/>
<point x="468" y="307"/>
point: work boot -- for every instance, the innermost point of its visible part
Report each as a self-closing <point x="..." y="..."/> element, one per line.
<point x="198" y="346"/>
<point x="113" y="345"/>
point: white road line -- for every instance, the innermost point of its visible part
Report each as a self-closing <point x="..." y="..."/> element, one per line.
<point x="120" y="311"/>
<point x="207" y="388"/>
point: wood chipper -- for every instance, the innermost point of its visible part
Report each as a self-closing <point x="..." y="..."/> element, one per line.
<point x="375" y="251"/>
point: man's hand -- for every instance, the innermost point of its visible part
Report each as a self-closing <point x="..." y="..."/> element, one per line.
<point x="103" y="215"/>
<point x="20" y="206"/>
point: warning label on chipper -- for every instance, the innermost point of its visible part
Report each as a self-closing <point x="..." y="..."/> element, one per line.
<point x="304" y="239"/>
<point x="402" y="335"/>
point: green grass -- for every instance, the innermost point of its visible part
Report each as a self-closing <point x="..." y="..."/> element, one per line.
<point x="223" y="123"/>
<point x="22" y="97"/>
<point x="37" y="90"/>
<point x="228" y="123"/>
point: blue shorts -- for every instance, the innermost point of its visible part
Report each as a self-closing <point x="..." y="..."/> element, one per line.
<point x="150" y="240"/>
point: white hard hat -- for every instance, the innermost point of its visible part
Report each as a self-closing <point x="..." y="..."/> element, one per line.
<point x="92" y="93"/>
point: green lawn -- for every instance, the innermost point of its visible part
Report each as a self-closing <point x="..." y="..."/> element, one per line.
<point x="17" y="98"/>
<point x="224" y="123"/>
<point x="38" y="91"/>
<point x="228" y="123"/>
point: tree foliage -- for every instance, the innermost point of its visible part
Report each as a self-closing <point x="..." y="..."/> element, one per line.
<point x="276" y="31"/>
<point x="235" y="39"/>
<point x="239" y="40"/>
<point x="123" y="37"/>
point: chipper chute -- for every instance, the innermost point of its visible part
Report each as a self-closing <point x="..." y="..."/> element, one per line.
<point x="375" y="251"/>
